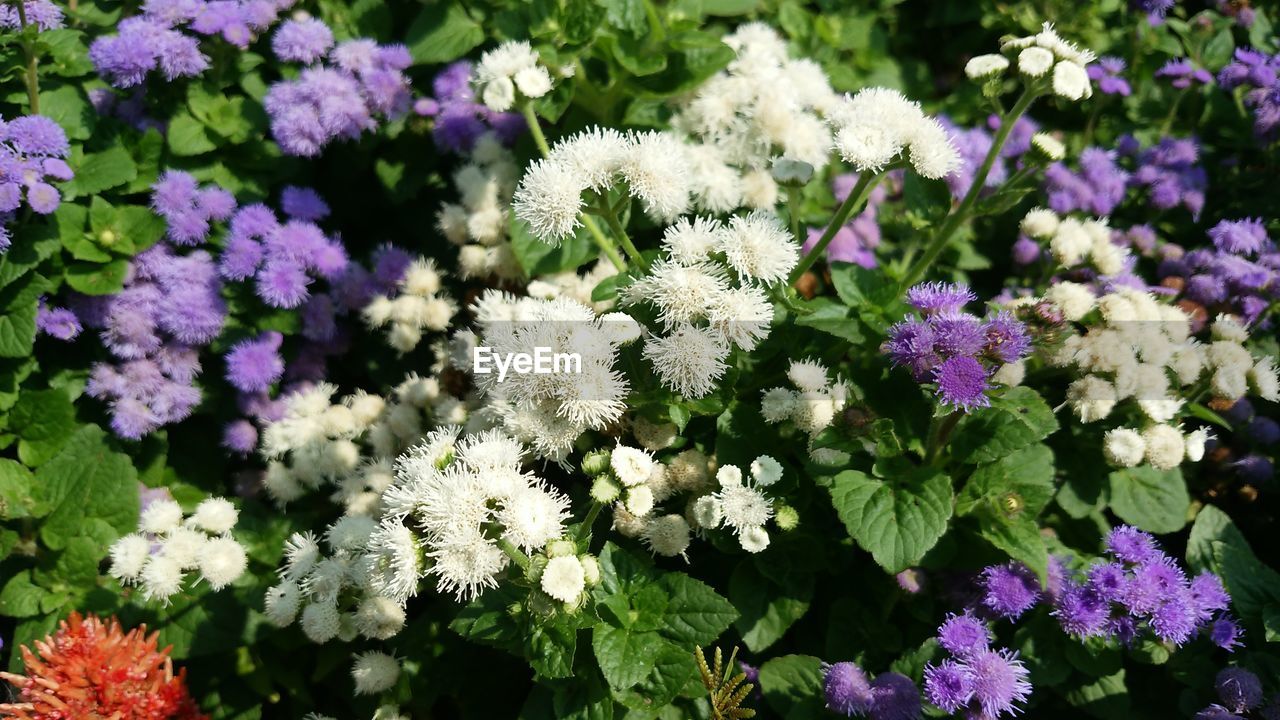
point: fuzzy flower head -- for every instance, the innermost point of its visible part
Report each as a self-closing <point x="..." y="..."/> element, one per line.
<point x="877" y="126"/>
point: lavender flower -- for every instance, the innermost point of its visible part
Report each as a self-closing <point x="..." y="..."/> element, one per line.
<point x="459" y="119"/>
<point x="1170" y="173"/>
<point x="1098" y="188"/>
<point x="894" y="697"/>
<point x="240" y="437"/>
<point x="856" y="240"/>
<point x="1240" y="274"/>
<point x="847" y="689"/>
<point x="254" y="365"/>
<point x="1183" y="73"/>
<point x="988" y="683"/>
<point x="31" y="152"/>
<point x="41" y="13"/>
<point x="1155" y="9"/>
<point x="1010" y="590"/>
<point x="1106" y="74"/>
<point x="143" y="45"/>
<point x="1256" y="72"/>
<point x="973" y="144"/>
<point x="305" y="41"/>
<point x="56" y="322"/>
<point x="963" y="635"/>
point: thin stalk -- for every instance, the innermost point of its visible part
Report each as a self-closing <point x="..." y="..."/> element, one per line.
<point x="32" y="79"/>
<point x="856" y="197"/>
<point x="513" y="552"/>
<point x="941" y="433"/>
<point x="793" y="209"/>
<point x="960" y="213"/>
<point x="602" y="242"/>
<point x="611" y="219"/>
<point x="585" y="528"/>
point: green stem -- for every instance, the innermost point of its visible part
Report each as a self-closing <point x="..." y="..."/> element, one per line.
<point x="611" y="219"/>
<point x="941" y="433"/>
<point x="513" y="552"/>
<point x="1173" y="112"/>
<point x="793" y="208"/>
<point x="602" y="242"/>
<point x="585" y="528"/>
<point x="32" y="79"/>
<point x="960" y="213"/>
<point x="856" y="197"/>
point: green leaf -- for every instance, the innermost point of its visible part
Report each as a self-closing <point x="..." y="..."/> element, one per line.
<point x="1019" y="537"/>
<point x="540" y="258"/>
<point x="17" y="490"/>
<point x="1015" y="419"/>
<point x="792" y="685"/>
<point x="1218" y="546"/>
<point x="1019" y="483"/>
<point x="1151" y="499"/>
<point x="625" y="656"/>
<point x="442" y="32"/>
<point x="832" y="318"/>
<point x="103" y="171"/>
<point x="187" y="136"/>
<point x="550" y="646"/>
<point x="1106" y="698"/>
<point x="43" y="420"/>
<point x="68" y="106"/>
<point x="897" y="521"/>
<point x="695" y="614"/>
<point x="858" y="286"/>
<point x="19" y="302"/>
<point x="97" y="279"/>
<point x="767" y="609"/>
<point x="21" y="597"/>
<point x="87" y="480"/>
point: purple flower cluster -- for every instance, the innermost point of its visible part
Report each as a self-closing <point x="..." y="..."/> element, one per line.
<point x="155" y="41"/>
<point x="954" y="349"/>
<point x="1105" y="73"/>
<point x="856" y="240"/>
<point x="1240" y="274"/>
<point x="1139" y="585"/>
<point x="1183" y="73"/>
<point x="41" y="13"/>
<point x="973" y="144"/>
<point x="1170" y="172"/>
<point x="459" y="119"/>
<point x="187" y="208"/>
<point x="1155" y="9"/>
<point x="169" y="308"/>
<point x="1239" y="691"/>
<point x="890" y="696"/>
<point x="56" y="322"/>
<point x="1097" y="189"/>
<point x="1257" y="72"/>
<point x="31" y="152"/>
<point x="338" y="99"/>
<point x="986" y="682"/>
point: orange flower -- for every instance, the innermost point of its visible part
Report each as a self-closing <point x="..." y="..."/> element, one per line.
<point x="89" y="670"/>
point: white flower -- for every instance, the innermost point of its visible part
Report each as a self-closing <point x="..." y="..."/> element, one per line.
<point x="690" y="242"/>
<point x="1092" y="398"/>
<point x="281" y="603"/>
<point x="321" y="622"/>
<point x="933" y="154"/>
<point x="689" y="360"/>
<point x="1265" y="382"/>
<point x="656" y="171"/>
<point x="1010" y="374"/>
<point x="1195" y="442"/>
<point x="808" y="375"/>
<point x="499" y="94"/>
<point x="549" y="200"/>
<point x="1073" y="299"/>
<point x="160" y="517"/>
<point x="301" y="551"/>
<point x="532" y="516"/>
<point x="706" y="511"/>
<point x="466" y="564"/>
<point x="128" y="555"/>
<point x="639" y="500"/>
<point x="184" y="546"/>
<point x="533" y="82"/>
<point x="766" y="471"/>
<point x="374" y="672"/>
<point x="682" y="293"/>
<point x="1049" y="147"/>
<point x="594" y="155"/>
<point x="631" y="465"/>
<point x="1071" y="243"/>
<point x="394" y="561"/>
<point x="350" y="532"/>
<point x="1165" y="446"/>
<point x="1229" y="383"/>
<point x="1040" y="223"/>
<point x="215" y="515"/>
<point x="743" y="506"/>
<point x="161" y="578"/>
<point x="759" y="190"/>
<point x="222" y="561"/>
<point x="1123" y="447"/>
<point x="758" y="246"/>
<point x="621" y="328"/>
<point x="1035" y="61"/>
<point x="983" y="67"/>
<point x="1227" y="327"/>
<point x="379" y="617"/>
<point x="1070" y="81"/>
<point x="667" y="535"/>
<point x="778" y="404"/>
<point x="754" y="539"/>
<point x="564" y="579"/>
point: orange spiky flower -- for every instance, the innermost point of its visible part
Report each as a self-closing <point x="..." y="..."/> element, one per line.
<point x="89" y="670"/>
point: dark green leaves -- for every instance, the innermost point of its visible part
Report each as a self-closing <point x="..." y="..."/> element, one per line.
<point x="792" y="686"/>
<point x="102" y="171"/>
<point x="896" y="520"/>
<point x="1005" y="497"/>
<point x="1153" y="500"/>
<point x="87" y="480"/>
<point x="1015" y="419"/>
<point x="442" y="32"/>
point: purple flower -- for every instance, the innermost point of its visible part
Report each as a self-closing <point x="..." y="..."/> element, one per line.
<point x="962" y="383"/>
<point x="1098" y="188"/>
<point x="846" y="689"/>
<point x="282" y="284"/>
<point x="911" y="580"/>
<point x="36" y="135"/>
<point x="894" y="697"/>
<point x="1254" y="469"/>
<point x="1010" y="590"/>
<point x="973" y="144"/>
<point x="934" y="298"/>
<point x="1238" y="689"/>
<point x="1132" y="545"/>
<point x="1155" y="9"/>
<point x="1225" y="633"/>
<point x="459" y="120"/>
<point x="1007" y="339"/>
<point x="254" y="365"/>
<point x="964" y="635"/>
<point x="948" y="685"/>
<point x="1264" y="431"/>
<point x="240" y="437"/>
<point x="302" y="203"/>
<point x="55" y="322"/>
<point x="1106" y="74"/>
<point x="306" y="40"/>
<point x="999" y="681"/>
<point x="43" y="198"/>
<point x="41" y="13"/>
<point x="143" y="45"/>
<point x="1240" y="237"/>
<point x="1082" y="611"/>
<point x="1171" y="175"/>
<point x="1183" y="73"/>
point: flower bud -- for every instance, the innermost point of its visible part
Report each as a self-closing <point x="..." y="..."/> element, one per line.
<point x="605" y="489"/>
<point x="595" y="462"/>
<point x="786" y="517"/>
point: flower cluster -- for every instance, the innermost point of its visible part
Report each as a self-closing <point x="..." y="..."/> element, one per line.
<point x="420" y="305"/>
<point x="1239" y="274"/>
<point x="1183" y="73"/>
<point x="508" y="72"/>
<point x="41" y="13"/>
<point x="741" y="504"/>
<point x="1042" y="57"/>
<point x="812" y="406"/>
<point x="652" y="165"/>
<point x="1138" y="348"/>
<point x="1138" y="587"/>
<point x="1170" y="172"/>
<point x="166" y="546"/>
<point x="1098" y="188"/>
<point x="877" y="126"/>
<point x="890" y="696"/>
<point x="857" y="239"/>
<point x="1107" y="74"/>
<point x="460" y="121"/>
<point x="1240" y="691"/>
<point x="479" y="222"/>
<point x="1257" y="72"/>
<point x="32" y="148"/>
<point x="762" y="106"/>
<point x="953" y="349"/>
<point x="339" y="95"/>
<point x="89" y="668"/>
<point x="709" y="292"/>
<point x="984" y="681"/>
<point x="1073" y="243"/>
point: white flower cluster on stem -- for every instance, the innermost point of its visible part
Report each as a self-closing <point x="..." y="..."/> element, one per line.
<point x="420" y="305"/>
<point x="166" y="546"/>
<point x="508" y="72"/>
<point x="478" y="223"/>
<point x="812" y="405"/>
